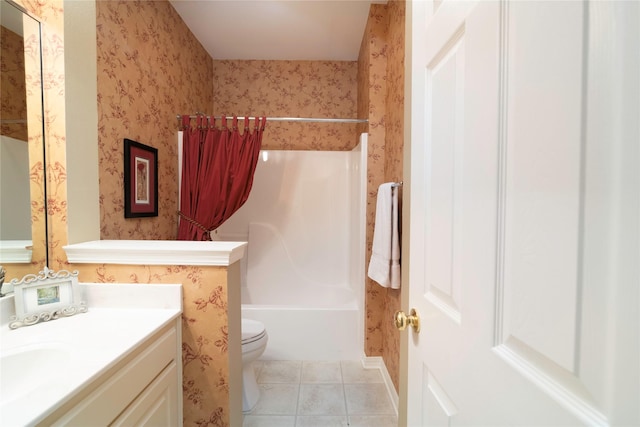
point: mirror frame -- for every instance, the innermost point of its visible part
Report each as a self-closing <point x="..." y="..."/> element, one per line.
<point x="32" y="26"/>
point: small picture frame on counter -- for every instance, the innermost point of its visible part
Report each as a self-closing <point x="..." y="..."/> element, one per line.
<point x="45" y="296"/>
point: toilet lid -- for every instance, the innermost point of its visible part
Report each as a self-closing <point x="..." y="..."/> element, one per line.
<point x="252" y="330"/>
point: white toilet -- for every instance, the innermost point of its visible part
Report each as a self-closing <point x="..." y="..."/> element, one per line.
<point x="254" y="341"/>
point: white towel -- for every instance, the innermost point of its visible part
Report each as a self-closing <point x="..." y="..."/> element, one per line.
<point x="384" y="266"/>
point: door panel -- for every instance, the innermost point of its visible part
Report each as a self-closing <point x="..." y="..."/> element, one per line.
<point x="438" y="407"/>
<point x="542" y="181"/>
<point x="540" y="277"/>
<point x="445" y="115"/>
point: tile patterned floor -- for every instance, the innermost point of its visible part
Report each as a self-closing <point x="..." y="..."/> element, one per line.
<point x="317" y="394"/>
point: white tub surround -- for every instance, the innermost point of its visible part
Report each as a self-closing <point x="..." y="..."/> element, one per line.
<point x="72" y="366"/>
<point x="155" y="252"/>
<point x="304" y="272"/>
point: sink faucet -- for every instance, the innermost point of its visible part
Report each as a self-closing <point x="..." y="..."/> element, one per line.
<point x="2" y="272"/>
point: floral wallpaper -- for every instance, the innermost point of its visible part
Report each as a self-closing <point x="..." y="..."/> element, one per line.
<point x="150" y="68"/>
<point x="372" y="91"/>
<point x="321" y="89"/>
<point x="13" y="92"/>
<point x="394" y="144"/>
<point x="394" y="123"/>
<point x="381" y="97"/>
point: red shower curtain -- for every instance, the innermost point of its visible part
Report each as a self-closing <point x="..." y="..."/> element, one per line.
<point x="217" y="173"/>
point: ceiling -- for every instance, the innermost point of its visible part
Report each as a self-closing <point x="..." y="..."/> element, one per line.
<point x="277" y="30"/>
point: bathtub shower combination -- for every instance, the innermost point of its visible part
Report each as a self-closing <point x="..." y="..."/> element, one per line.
<point x="303" y="276"/>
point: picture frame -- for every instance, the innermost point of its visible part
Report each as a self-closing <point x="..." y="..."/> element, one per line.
<point x="45" y="296"/>
<point x="140" y="180"/>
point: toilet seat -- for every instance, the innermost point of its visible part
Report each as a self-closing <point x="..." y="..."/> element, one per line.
<point x="252" y="331"/>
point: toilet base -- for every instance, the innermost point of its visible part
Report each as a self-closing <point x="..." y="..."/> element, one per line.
<point x="250" y="389"/>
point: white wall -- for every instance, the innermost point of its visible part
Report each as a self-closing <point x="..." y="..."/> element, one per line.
<point x="83" y="192"/>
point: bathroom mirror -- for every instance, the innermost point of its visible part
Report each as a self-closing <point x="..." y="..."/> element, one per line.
<point x="23" y="237"/>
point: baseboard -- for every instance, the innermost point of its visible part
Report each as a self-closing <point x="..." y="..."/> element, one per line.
<point x="377" y="362"/>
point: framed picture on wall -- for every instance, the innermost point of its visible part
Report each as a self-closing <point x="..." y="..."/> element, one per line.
<point x="140" y="180"/>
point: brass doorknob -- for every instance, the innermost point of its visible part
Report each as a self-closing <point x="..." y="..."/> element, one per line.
<point x="402" y="320"/>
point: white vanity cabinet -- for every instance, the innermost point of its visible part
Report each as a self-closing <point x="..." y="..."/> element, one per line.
<point x="157" y="405"/>
<point x="141" y="390"/>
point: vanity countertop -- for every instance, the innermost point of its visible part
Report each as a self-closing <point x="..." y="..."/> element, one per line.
<point x="74" y="351"/>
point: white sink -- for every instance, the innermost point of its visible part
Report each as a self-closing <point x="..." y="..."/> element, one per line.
<point x="25" y="368"/>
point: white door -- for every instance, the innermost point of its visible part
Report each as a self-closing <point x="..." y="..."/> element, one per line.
<point x="523" y="213"/>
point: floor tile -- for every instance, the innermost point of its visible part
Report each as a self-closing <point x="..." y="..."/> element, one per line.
<point x="373" y="421"/>
<point x="354" y="373"/>
<point x="321" y="372"/>
<point x="285" y="372"/>
<point x="368" y="399"/>
<point x="321" y="399"/>
<point x="321" y="421"/>
<point x="320" y="393"/>
<point x="269" y="421"/>
<point x="277" y="399"/>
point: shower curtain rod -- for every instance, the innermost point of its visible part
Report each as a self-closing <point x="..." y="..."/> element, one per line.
<point x="290" y="119"/>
